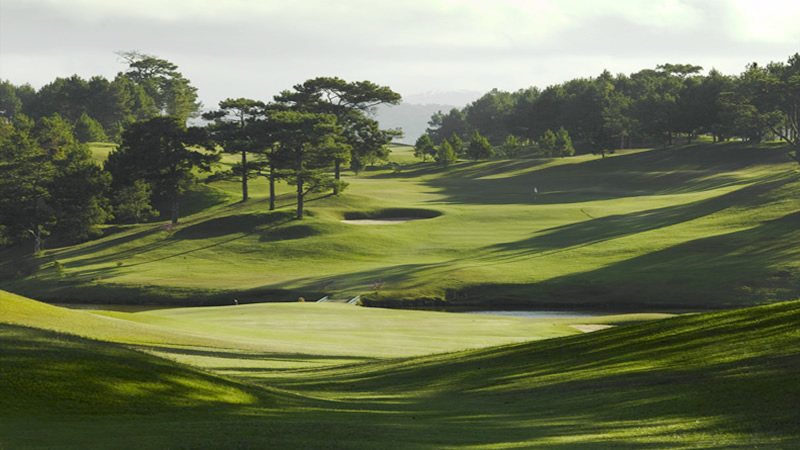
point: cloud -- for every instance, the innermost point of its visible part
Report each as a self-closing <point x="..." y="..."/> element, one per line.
<point x="771" y="22"/>
<point x="263" y="46"/>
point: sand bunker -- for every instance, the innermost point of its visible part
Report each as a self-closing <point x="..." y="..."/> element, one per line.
<point x="390" y="216"/>
<point x="590" y="328"/>
<point x="392" y="221"/>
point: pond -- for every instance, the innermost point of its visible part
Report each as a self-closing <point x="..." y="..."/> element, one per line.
<point x="542" y="314"/>
<point x="534" y="314"/>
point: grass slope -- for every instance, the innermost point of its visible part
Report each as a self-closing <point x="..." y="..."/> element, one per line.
<point x="700" y="226"/>
<point x="248" y="338"/>
<point x="62" y="374"/>
<point x="704" y="381"/>
<point x="714" y="380"/>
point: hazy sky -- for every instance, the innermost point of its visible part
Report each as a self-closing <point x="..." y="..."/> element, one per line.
<point x="255" y="48"/>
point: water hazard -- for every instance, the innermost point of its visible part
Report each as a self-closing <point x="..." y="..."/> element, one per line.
<point x="541" y="314"/>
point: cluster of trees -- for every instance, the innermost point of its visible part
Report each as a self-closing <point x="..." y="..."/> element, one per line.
<point x="649" y="107"/>
<point x="100" y="110"/>
<point x="318" y="126"/>
<point x="51" y="184"/>
<point x="478" y="147"/>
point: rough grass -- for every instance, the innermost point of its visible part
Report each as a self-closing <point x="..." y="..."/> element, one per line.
<point x="701" y="226"/>
<point x="714" y="380"/>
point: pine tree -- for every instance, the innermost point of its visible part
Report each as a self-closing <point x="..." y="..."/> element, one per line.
<point x="547" y="143"/>
<point x="445" y="155"/>
<point x="479" y="147"/>
<point x="424" y="147"/>
<point x="457" y="144"/>
<point x="511" y="146"/>
<point x="563" y="144"/>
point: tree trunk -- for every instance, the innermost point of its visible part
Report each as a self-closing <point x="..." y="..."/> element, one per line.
<point x="337" y="176"/>
<point x="244" y="176"/>
<point x="175" y="209"/>
<point x="271" y="187"/>
<point x="37" y="239"/>
<point x="300" y="194"/>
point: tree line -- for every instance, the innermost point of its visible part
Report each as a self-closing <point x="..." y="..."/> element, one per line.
<point x="647" y="108"/>
<point x="100" y="109"/>
<point x="51" y="184"/>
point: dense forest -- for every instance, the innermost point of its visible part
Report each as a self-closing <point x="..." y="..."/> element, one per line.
<point x="651" y="107"/>
<point x="52" y="186"/>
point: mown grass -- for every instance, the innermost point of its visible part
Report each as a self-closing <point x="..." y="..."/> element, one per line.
<point x="700" y="226"/>
<point x="291" y="334"/>
<point x="100" y="150"/>
<point x="695" y="227"/>
<point x="724" y="379"/>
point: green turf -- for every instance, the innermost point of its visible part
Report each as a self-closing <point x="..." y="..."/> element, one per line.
<point x="100" y="150"/>
<point x="314" y="334"/>
<point x="712" y="380"/>
<point x="700" y="226"/>
<point x="694" y="227"/>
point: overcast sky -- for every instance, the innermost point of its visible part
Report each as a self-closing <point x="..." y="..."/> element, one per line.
<point x="256" y="48"/>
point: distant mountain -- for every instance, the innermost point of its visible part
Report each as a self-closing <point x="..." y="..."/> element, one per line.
<point x="457" y="98"/>
<point x="412" y="119"/>
<point x="413" y="114"/>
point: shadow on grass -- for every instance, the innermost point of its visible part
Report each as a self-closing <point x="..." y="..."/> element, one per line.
<point x="607" y="228"/>
<point x="242" y="355"/>
<point x="200" y="198"/>
<point x="655" y="172"/>
<point x="234" y="224"/>
<point x="725" y="379"/>
<point x="734" y="269"/>
<point x="241" y="226"/>
<point x="47" y="372"/>
<point x="410" y="275"/>
<point x="738" y="268"/>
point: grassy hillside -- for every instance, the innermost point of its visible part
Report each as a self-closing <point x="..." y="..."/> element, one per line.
<point x="702" y="381"/>
<point x="715" y="380"/>
<point x="337" y="333"/>
<point x="701" y="226"/>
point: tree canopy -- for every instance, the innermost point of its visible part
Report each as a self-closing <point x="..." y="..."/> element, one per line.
<point x="646" y="108"/>
<point x="424" y="147"/>
<point x="445" y="155"/>
<point x="159" y="152"/>
<point x="350" y="103"/>
<point x="479" y="147"/>
<point x="50" y="185"/>
<point x="172" y="93"/>
<point x="305" y="145"/>
<point x="236" y="129"/>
